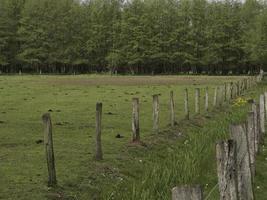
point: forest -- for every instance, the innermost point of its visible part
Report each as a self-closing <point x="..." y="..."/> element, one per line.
<point x="133" y="36"/>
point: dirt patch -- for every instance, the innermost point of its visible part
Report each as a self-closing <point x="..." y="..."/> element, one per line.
<point x="135" y="80"/>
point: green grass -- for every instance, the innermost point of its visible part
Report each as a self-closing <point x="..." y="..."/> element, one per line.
<point x="183" y="155"/>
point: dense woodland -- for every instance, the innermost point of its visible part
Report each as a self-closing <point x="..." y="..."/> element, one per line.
<point x="133" y="36"/>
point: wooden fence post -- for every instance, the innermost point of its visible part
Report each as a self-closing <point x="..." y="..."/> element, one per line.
<point x="135" y="121"/>
<point x="49" y="150"/>
<point x="226" y="170"/>
<point x="186" y="104"/>
<point x="155" y="113"/>
<point x="262" y="119"/>
<point x="98" y="153"/>
<point x="265" y="103"/>
<point x="228" y="91"/>
<point x="232" y="90"/>
<point x="220" y="95"/>
<point x="215" y="96"/>
<point x="207" y="99"/>
<point x="172" y="111"/>
<point x="244" y="177"/>
<point x="254" y="108"/>
<point x="251" y="140"/>
<point x="197" y="100"/>
<point x="187" y="193"/>
<point x="237" y="88"/>
<point x="225" y="91"/>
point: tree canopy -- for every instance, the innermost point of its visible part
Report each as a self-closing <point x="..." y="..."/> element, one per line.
<point x="137" y="36"/>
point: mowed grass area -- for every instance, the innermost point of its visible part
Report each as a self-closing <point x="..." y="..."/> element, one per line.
<point x="174" y="156"/>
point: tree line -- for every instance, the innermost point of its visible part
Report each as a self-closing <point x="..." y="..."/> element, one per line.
<point x="133" y="36"/>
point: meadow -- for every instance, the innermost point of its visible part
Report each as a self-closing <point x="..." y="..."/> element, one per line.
<point x="181" y="155"/>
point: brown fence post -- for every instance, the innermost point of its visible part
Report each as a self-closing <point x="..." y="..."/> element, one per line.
<point x="49" y="150"/>
<point x="226" y="170"/>
<point x="172" y="111"/>
<point x="244" y="177"/>
<point x="197" y="100"/>
<point x="265" y="103"/>
<point x="207" y="99"/>
<point x="215" y="96"/>
<point x="255" y="109"/>
<point x="135" y="121"/>
<point x="228" y="92"/>
<point x="155" y="113"/>
<point x="187" y="193"/>
<point x="251" y="140"/>
<point x="98" y="153"/>
<point x="262" y="119"/>
<point x="186" y="104"/>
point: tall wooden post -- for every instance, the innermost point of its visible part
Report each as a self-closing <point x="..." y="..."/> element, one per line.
<point x="207" y="99"/>
<point x="226" y="170"/>
<point x="251" y="140"/>
<point x="215" y="96"/>
<point x="98" y="153"/>
<point x="186" y="104"/>
<point x="265" y="103"/>
<point x="155" y="113"/>
<point x="255" y="109"/>
<point x="49" y="150"/>
<point x="187" y="193"/>
<point x="135" y="121"/>
<point x="172" y="110"/>
<point x="262" y="118"/>
<point x="197" y="100"/>
<point x="245" y="189"/>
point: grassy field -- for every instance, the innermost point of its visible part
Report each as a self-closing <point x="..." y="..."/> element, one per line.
<point x="181" y="155"/>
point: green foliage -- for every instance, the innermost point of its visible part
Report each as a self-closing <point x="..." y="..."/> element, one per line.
<point x="152" y="36"/>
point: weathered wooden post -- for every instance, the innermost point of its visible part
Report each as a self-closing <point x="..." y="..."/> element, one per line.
<point x="262" y="119"/>
<point x="135" y="121"/>
<point x="265" y="103"/>
<point x="237" y="88"/>
<point x="220" y="95"/>
<point x="98" y="153"/>
<point x="228" y="92"/>
<point x="226" y="170"/>
<point x="251" y="140"/>
<point x="49" y="150"/>
<point x="187" y="193"/>
<point x="207" y="99"/>
<point x="186" y="104"/>
<point x="155" y="113"/>
<point x="232" y="90"/>
<point x="197" y="100"/>
<point x="244" y="177"/>
<point x="225" y="91"/>
<point x="255" y="109"/>
<point x="215" y="96"/>
<point x="172" y="112"/>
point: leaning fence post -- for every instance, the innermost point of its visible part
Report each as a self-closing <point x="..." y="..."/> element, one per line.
<point x="135" y="121"/>
<point x="197" y="100"/>
<point x="207" y="99"/>
<point x="187" y="193"/>
<point x="262" y="119"/>
<point x="98" y="153"/>
<point x="226" y="169"/>
<point x="49" y="150"/>
<point x="251" y="140"/>
<point x="215" y="96"/>
<point x="172" y="112"/>
<point x="244" y="177"/>
<point x="186" y="104"/>
<point x="155" y="113"/>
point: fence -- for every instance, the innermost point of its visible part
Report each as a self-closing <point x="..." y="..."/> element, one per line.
<point x="226" y="150"/>
<point x="235" y="157"/>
